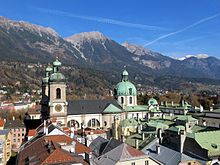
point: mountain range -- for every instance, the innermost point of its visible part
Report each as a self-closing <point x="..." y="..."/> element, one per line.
<point x="25" y="42"/>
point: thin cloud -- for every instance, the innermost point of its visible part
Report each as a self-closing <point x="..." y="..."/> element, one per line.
<point x="101" y="19"/>
<point x="182" y="30"/>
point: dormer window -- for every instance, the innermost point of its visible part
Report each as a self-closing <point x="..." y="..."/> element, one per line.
<point x="130" y="91"/>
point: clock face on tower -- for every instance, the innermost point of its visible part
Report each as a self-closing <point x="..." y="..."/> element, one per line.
<point x="58" y="107"/>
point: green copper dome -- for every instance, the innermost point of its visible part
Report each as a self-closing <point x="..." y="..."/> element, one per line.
<point x="152" y="101"/>
<point x="57" y="77"/>
<point x="57" y="63"/>
<point x="49" y="69"/>
<point x="125" y="87"/>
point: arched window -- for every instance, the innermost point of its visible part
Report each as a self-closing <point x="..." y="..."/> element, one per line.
<point x="93" y="123"/>
<point x="130" y="100"/>
<point x="58" y="93"/>
<point x="73" y="123"/>
<point x="130" y="91"/>
<point x="122" y="100"/>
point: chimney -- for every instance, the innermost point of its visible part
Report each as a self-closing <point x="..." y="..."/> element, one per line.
<point x="182" y="140"/>
<point x="148" y="117"/>
<point x="211" y="109"/>
<point x="45" y="126"/>
<point x="166" y="104"/>
<point x="46" y="133"/>
<point x="172" y="103"/>
<point x="187" y="126"/>
<point x="183" y="103"/>
<point x="158" y="149"/>
<point x="163" y="116"/>
<point x="140" y="126"/>
<point x="73" y="147"/>
<point x="185" y="111"/>
<point x="72" y="129"/>
<point x="159" y="135"/>
<point x="204" y="123"/>
<point x="200" y="108"/>
<point x="136" y="143"/>
<point x="143" y="136"/>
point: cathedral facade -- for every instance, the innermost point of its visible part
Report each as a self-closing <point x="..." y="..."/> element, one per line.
<point x="87" y="113"/>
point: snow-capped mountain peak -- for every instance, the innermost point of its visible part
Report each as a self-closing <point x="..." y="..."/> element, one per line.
<point x="198" y="56"/>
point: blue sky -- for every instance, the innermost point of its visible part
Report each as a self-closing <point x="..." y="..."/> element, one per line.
<point x="173" y="27"/>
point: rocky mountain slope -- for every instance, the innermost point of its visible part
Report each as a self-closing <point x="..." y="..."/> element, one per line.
<point x="25" y="42"/>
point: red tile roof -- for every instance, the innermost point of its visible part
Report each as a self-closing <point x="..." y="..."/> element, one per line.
<point x="43" y="151"/>
<point x="67" y="130"/>
<point x="90" y="132"/>
<point x="59" y="139"/>
<point x="79" y="148"/>
<point x="2" y="122"/>
<point x="32" y="132"/>
<point x="35" y="109"/>
<point x="37" y="149"/>
<point x="60" y="156"/>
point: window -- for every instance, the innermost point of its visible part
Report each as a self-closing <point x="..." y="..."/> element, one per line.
<point x="133" y="163"/>
<point x="73" y="123"/>
<point x="122" y="100"/>
<point x="130" y="100"/>
<point x="19" y="134"/>
<point x="58" y="93"/>
<point x="146" y="162"/>
<point x="14" y="140"/>
<point x="93" y="123"/>
<point x="130" y="91"/>
<point x="14" y="135"/>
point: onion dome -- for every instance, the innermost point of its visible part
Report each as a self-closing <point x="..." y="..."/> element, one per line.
<point x="57" y="62"/>
<point x="152" y="101"/>
<point x="57" y="77"/>
<point x="49" y="68"/>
